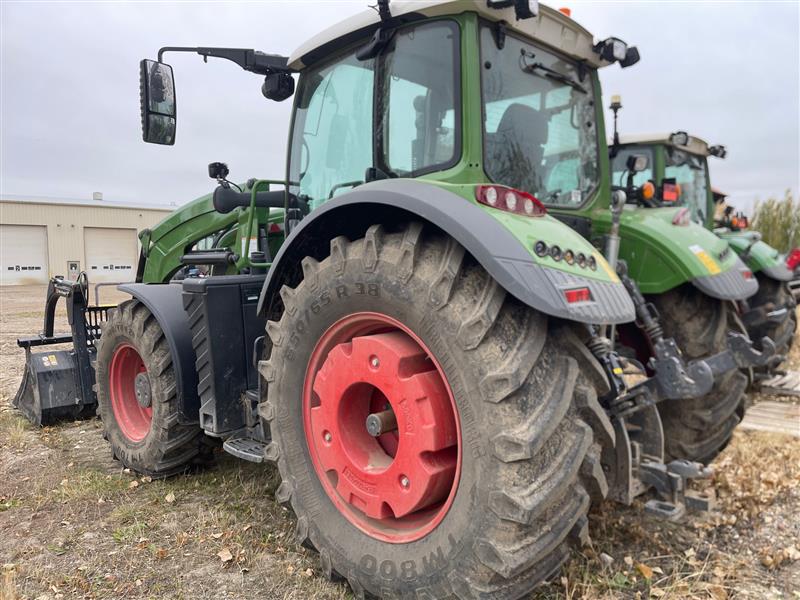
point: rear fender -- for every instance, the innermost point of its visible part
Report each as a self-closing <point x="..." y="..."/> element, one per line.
<point x="496" y="243"/>
<point x="661" y="256"/>
<point x="759" y="256"/>
<point x="165" y="302"/>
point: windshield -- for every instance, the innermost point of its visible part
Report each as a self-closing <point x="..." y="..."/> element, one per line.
<point x="539" y="122"/>
<point x="689" y="171"/>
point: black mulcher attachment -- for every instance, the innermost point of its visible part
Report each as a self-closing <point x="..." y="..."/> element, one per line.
<point x="57" y="384"/>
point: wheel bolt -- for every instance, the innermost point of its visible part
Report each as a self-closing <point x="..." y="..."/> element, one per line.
<point x="404" y="481"/>
<point x="374" y="362"/>
<point x="327" y="436"/>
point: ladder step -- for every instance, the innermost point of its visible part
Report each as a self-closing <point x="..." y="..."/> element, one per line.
<point x="245" y="448"/>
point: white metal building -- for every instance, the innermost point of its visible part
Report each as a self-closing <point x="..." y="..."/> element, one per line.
<point x="42" y="237"/>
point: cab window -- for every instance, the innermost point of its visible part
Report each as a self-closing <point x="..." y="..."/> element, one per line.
<point x="332" y="134"/>
<point x="619" y="172"/>
<point x="398" y="113"/>
<point x="419" y="99"/>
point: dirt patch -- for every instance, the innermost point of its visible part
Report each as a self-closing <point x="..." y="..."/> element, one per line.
<point x="75" y="525"/>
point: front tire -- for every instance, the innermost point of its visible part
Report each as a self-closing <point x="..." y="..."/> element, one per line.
<point x="523" y="466"/>
<point x="699" y="428"/>
<point x="137" y="396"/>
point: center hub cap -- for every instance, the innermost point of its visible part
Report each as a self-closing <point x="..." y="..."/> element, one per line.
<point x="142" y="386"/>
<point x="382" y="427"/>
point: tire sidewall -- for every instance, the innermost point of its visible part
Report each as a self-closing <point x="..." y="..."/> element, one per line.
<point x="423" y="562"/>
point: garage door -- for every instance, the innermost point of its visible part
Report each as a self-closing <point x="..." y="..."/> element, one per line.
<point x="111" y="254"/>
<point x="23" y="254"/>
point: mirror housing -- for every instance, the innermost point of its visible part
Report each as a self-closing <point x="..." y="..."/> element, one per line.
<point x="157" y="102"/>
<point x="637" y="163"/>
<point x="278" y="86"/>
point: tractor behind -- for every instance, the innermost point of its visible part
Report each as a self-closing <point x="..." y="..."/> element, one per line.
<point x="678" y="176"/>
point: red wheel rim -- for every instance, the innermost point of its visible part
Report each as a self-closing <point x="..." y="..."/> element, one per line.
<point x="134" y="414"/>
<point x="397" y="485"/>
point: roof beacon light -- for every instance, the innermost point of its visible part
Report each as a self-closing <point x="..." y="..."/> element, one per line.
<point x="565" y="11"/>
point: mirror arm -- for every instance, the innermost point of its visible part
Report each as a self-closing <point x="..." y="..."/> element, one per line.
<point x="249" y="60"/>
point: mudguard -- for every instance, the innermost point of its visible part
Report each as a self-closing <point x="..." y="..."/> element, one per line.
<point x="489" y="240"/>
<point x="165" y="301"/>
<point x="759" y="256"/>
<point x="736" y="283"/>
<point x="661" y="255"/>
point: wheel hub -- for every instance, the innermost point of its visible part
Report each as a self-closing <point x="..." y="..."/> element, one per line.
<point x="382" y="426"/>
<point x="142" y="387"/>
<point x="131" y="395"/>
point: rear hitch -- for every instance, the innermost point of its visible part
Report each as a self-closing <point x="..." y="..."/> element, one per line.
<point x="669" y="481"/>
<point x="741" y="354"/>
<point x="639" y="467"/>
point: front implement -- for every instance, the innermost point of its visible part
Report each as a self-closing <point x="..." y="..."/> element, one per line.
<point x="58" y="384"/>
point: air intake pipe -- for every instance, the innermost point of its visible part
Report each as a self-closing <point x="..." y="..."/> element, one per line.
<point x="227" y="199"/>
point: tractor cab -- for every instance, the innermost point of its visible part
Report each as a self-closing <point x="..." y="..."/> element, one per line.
<point x="677" y="173"/>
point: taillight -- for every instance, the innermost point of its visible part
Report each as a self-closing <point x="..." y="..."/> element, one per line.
<point x="747" y="273"/>
<point x="510" y="200"/>
<point x="793" y="259"/>
<point x="575" y="295"/>
<point x="681" y="217"/>
<point x="669" y="192"/>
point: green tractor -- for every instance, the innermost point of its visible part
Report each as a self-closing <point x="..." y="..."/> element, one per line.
<point x="678" y="175"/>
<point x="398" y="323"/>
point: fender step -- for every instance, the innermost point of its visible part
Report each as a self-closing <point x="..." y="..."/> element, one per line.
<point x="245" y="448"/>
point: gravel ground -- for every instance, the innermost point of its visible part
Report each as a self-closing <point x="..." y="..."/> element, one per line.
<point x="75" y="525"/>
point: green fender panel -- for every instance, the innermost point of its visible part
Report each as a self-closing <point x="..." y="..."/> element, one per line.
<point x="661" y="256"/>
<point x="757" y="255"/>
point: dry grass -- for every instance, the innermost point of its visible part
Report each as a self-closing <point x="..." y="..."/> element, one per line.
<point x="75" y="525"/>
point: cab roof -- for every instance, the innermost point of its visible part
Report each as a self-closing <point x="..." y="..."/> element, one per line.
<point x="696" y="145"/>
<point x="549" y="27"/>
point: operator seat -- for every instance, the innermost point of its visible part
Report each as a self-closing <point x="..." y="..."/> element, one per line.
<point x="516" y="150"/>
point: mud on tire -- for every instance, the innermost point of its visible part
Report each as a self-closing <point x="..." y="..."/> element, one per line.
<point x="526" y="398"/>
<point x="699" y="428"/>
<point x="169" y="447"/>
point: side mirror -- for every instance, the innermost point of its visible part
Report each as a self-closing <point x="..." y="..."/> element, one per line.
<point x="637" y="163"/>
<point x="157" y="96"/>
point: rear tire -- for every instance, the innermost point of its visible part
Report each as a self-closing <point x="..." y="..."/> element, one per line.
<point x="150" y="440"/>
<point x="699" y="428"/>
<point x="774" y="295"/>
<point x="525" y="396"/>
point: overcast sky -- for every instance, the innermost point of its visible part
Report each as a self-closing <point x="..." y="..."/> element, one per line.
<point x="726" y="71"/>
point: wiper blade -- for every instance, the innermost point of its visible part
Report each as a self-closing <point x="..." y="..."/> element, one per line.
<point x="553" y="74"/>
